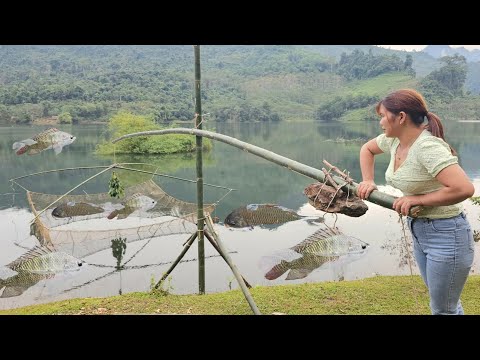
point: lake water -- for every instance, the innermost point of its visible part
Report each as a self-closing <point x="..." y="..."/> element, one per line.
<point x="254" y="179"/>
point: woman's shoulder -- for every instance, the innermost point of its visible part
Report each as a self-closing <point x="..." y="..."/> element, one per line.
<point x="428" y="140"/>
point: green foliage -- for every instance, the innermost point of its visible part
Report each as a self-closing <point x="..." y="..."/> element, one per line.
<point x="119" y="247"/>
<point x="359" y="65"/>
<point x="93" y="83"/>
<point x="163" y="289"/>
<point x="126" y="123"/>
<point x="115" y="187"/>
<point x="65" y="118"/>
<point x="245" y="113"/>
<point x="334" y="109"/>
<point x="447" y="82"/>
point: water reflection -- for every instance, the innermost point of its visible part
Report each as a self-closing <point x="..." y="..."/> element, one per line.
<point x="132" y="268"/>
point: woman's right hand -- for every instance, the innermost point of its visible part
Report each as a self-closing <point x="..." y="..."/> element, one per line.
<point x="365" y="188"/>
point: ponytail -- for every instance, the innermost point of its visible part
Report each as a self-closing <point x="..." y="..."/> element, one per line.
<point x="436" y="128"/>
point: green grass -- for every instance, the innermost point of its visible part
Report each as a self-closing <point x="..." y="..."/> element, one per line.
<point x="372" y="296"/>
<point x="380" y="85"/>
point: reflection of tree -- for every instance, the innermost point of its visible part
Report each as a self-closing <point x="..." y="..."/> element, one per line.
<point x="400" y="245"/>
<point x="119" y="246"/>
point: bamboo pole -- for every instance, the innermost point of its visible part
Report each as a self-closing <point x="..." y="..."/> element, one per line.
<point x="190" y="241"/>
<point x="198" y="140"/>
<point x="214" y="244"/>
<point x="230" y="263"/>
<point x="376" y="197"/>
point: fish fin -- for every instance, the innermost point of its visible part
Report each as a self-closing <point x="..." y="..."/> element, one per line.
<point x="18" y="144"/>
<point x="295" y="274"/>
<point x="57" y="149"/>
<point x="32" y="253"/>
<point x="112" y="214"/>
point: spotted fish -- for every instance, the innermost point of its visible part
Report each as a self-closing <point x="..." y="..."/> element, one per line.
<point x="76" y="209"/>
<point x="43" y="260"/>
<point x="136" y="202"/>
<point x="325" y="245"/>
<point x="260" y="214"/>
<point x="16" y="285"/>
<point x="48" y="139"/>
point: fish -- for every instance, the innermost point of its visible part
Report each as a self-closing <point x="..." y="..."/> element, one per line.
<point x="260" y="214"/>
<point x="16" y="285"/>
<point x="325" y="245"/>
<point x="135" y="202"/>
<point x="71" y="208"/>
<point x="43" y="260"/>
<point x="48" y="139"/>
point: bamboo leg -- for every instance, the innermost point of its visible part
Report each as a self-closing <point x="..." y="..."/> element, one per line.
<point x="239" y="278"/>
<point x="190" y="241"/>
<point x="214" y="244"/>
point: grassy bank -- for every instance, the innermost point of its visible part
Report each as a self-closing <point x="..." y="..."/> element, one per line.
<point x="371" y="296"/>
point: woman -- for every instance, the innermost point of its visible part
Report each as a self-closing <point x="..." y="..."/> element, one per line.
<point x="425" y="168"/>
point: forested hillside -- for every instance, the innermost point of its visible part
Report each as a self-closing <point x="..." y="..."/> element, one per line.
<point x="239" y="83"/>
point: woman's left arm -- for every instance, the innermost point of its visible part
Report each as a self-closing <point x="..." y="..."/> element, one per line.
<point x="457" y="187"/>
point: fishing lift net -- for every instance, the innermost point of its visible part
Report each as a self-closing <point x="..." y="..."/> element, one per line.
<point x="82" y="224"/>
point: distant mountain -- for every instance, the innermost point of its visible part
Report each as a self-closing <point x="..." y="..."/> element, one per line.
<point x="438" y="51"/>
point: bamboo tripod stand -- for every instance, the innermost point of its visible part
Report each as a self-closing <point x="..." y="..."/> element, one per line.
<point x="214" y="239"/>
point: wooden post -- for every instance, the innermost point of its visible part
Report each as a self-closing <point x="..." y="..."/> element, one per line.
<point x="200" y="216"/>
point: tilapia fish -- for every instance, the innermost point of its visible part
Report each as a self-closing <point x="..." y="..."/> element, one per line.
<point x="325" y="245"/>
<point x="76" y="209"/>
<point x="260" y="214"/>
<point x="43" y="260"/>
<point x="16" y="285"/>
<point x="49" y="139"/>
<point x="136" y="202"/>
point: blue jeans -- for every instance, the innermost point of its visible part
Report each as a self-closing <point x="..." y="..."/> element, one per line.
<point x="444" y="251"/>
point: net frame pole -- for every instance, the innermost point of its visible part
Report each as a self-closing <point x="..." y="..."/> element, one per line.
<point x="199" y="143"/>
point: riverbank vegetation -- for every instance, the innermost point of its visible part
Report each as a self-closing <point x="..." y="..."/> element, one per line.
<point x="126" y="123"/>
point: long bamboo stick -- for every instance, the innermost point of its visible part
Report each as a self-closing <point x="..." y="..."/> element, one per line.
<point x="214" y="244"/>
<point x="376" y="197"/>
<point x="199" y="164"/>
<point x="233" y="267"/>
<point x="189" y="242"/>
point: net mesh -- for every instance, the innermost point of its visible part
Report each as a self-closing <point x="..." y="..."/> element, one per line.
<point x="84" y="227"/>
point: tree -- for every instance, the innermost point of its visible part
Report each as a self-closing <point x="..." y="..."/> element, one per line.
<point x="65" y="118"/>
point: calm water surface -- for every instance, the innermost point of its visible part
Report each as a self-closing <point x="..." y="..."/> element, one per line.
<point x="255" y="180"/>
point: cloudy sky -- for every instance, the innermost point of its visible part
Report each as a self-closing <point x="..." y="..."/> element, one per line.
<point x="421" y="47"/>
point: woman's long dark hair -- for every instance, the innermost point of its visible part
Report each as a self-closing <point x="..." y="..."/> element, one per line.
<point x="412" y="103"/>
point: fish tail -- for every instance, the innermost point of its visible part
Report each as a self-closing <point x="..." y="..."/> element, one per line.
<point x="112" y="214"/>
<point x="20" y="147"/>
<point x="276" y="272"/>
<point x="273" y="266"/>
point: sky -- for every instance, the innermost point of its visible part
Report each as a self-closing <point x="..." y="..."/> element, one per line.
<point x="421" y="47"/>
